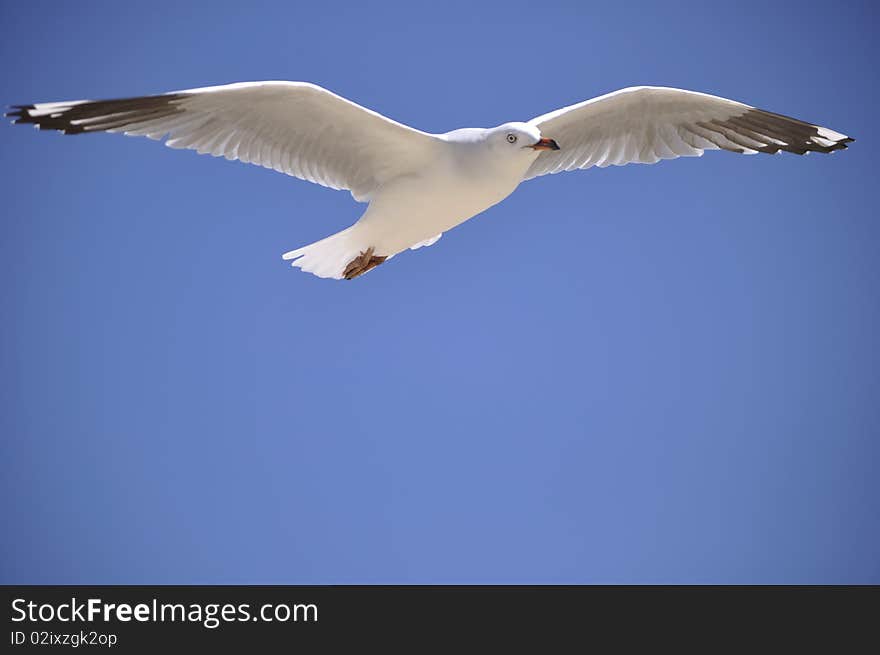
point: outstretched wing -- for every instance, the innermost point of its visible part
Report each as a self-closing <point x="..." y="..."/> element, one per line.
<point x="646" y="124"/>
<point x="295" y="128"/>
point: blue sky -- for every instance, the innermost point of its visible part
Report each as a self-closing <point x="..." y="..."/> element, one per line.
<point x="649" y="374"/>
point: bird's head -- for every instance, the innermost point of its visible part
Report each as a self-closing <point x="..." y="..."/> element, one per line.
<point x="520" y="138"/>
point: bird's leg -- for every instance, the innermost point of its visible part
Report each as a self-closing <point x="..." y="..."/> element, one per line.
<point x="364" y="262"/>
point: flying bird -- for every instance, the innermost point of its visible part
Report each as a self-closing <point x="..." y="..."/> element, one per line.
<point x="418" y="185"/>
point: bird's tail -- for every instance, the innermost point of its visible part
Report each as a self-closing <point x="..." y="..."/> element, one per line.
<point x="330" y="256"/>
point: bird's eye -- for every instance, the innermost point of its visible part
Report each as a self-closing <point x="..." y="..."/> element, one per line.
<point x="511" y="138"/>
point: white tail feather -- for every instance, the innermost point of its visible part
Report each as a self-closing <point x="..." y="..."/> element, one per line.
<point x="329" y="257"/>
<point x="426" y="242"/>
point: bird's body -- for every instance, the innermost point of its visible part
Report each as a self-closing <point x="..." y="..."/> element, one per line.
<point x="461" y="179"/>
<point x="420" y="185"/>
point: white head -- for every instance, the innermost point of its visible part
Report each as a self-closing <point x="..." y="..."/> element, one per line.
<point x="519" y="139"/>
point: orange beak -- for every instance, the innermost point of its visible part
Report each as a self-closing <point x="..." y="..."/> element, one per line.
<point x="545" y="144"/>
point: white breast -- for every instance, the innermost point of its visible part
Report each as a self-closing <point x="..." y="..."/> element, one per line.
<point x="458" y="186"/>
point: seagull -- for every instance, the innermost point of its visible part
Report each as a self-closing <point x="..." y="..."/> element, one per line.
<point x="418" y="185"/>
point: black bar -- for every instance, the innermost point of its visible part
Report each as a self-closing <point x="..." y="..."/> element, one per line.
<point x="245" y="618"/>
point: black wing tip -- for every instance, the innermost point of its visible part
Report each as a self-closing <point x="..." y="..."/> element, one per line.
<point x="799" y="135"/>
<point x="20" y="115"/>
<point x="18" y="112"/>
<point x="840" y="145"/>
<point x="51" y="123"/>
<point x="102" y="115"/>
